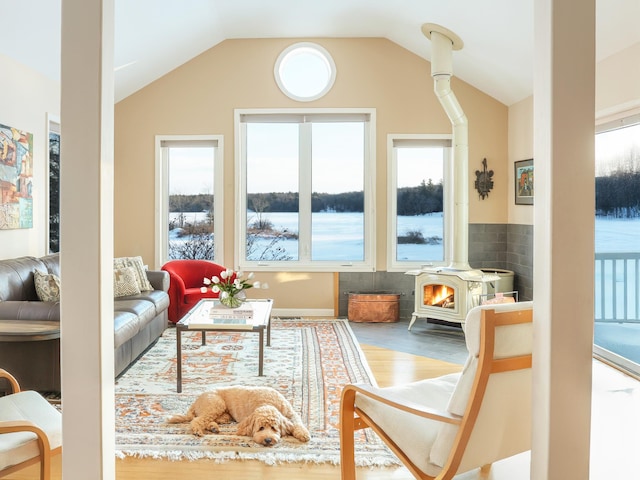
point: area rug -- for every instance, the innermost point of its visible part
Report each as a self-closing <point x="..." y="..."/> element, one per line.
<point x="309" y="362"/>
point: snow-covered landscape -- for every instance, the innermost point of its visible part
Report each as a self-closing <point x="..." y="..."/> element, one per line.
<point x="611" y="235"/>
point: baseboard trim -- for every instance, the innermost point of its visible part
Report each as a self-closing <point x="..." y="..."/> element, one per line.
<point x="303" y="312"/>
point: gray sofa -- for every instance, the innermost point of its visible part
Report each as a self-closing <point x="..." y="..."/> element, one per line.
<point x="138" y="322"/>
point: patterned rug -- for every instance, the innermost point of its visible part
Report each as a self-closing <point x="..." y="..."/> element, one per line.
<point x="309" y="361"/>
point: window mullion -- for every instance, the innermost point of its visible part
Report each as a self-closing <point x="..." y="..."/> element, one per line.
<point x="240" y="250"/>
<point x="304" y="205"/>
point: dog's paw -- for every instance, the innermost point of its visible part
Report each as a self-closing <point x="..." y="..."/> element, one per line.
<point x="213" y="427"/>
<point x="224" y="418"/>
<point x="301" y="433"/>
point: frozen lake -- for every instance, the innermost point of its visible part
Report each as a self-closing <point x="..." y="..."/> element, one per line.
<point x="612" y="235"/>
<point x="347" y="228"/>
<point x="617" y="235"/>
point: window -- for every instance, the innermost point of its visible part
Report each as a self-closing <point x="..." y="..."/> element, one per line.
<point x="417" y="196"/>
<point x="305" y="72"/>
<point x="53" y="187"/>
<point x="306" y="183"/>
<point x="189" y="202"/>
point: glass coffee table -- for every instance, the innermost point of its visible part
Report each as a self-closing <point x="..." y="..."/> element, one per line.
<point x="209" y="316"/>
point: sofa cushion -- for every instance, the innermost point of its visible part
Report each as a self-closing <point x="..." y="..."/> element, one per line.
<point x="17" y="278"/>
<point x="143" y="309"/>
<point x="140" y="272"/>
<point x="159" y="299"/>
<point x="124" y="282"/>
<point x="126" y="325"/>
<point x="47" y="286"/>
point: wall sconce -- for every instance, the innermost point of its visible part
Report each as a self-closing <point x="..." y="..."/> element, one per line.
<point x="484" y="184"/>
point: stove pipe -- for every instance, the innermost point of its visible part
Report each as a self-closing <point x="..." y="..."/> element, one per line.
<point x="444" y="42"/>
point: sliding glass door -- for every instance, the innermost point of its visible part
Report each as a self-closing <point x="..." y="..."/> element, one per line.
<point x="617" y="244"/>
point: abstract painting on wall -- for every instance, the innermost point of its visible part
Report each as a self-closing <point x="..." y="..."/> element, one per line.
<point x="16" y="178"/>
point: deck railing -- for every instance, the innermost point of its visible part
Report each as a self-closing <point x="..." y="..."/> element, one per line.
<point x="617" y="287"/>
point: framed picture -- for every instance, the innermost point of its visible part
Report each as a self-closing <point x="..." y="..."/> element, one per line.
<point x="524" y="182"/>
<point x="16" y="178"/>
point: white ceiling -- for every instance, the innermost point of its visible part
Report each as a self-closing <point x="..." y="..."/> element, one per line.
<point x="152" y="37"/>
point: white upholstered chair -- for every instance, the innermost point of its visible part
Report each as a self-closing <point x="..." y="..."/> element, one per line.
<point x="30" y="430"/>
<point x="455" y="423"/>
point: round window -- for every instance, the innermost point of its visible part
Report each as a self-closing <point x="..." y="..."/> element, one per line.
<point x="305" y="72"/>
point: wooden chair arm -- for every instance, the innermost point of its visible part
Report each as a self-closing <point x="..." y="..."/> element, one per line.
<point x="14" y="426"/>
<point x="401" y="404"/>
<point x="43" y="442"/>
<point x="15" y="386"/>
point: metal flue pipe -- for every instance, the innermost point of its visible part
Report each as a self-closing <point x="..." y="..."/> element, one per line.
<point x="444" y="42"/>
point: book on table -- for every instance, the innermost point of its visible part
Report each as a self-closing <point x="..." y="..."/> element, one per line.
<point x="215" y="316"/>
<point x="244" y="311"/>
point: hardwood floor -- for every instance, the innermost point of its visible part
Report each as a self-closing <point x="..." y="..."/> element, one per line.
<point x="616" y="424"/>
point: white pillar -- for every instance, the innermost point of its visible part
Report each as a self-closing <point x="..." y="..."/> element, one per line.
<point x="564" y="111"/>
<point x="87" y="239"/>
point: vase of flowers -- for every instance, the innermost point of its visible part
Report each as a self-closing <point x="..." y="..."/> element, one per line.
<point x="231" y="286"/>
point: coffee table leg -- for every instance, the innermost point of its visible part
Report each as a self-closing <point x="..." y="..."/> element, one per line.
<point x="204" y="337"/>
<point x="261" y="352"/>
<point x="269" y="332"/>
<point x="179" y="358"/>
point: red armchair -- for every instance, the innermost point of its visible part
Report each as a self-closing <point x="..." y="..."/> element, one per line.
<point x="186" y="279"/>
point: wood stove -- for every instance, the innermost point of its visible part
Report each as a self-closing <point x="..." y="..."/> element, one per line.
<point x="447" y="294"/>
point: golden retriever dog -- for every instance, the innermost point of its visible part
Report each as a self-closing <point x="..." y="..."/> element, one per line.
<point x="261" y="412"/>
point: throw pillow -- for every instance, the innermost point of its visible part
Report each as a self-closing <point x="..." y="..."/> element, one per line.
<point x="124" y="282"/>
<point x="138" y="266"/>
<point x="47" y="286"/>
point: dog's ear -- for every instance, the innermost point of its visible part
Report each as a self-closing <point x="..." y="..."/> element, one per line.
<point x="245" y="427"/>
<point x="284" y="425"/>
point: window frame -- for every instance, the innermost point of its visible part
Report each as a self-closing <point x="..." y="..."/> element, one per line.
<point x="320" y="52"/>
<point x="162" y="191"/>
<point x="418" y="140"/>
<point x="305" y="264"/>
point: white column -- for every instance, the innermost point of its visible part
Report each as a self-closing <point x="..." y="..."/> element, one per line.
<point x="564" y="110"/>
<point x="87" y="239"/>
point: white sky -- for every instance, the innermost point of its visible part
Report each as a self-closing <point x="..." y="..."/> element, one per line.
<point x="185" y="164"/>
<point x="614" y="144"/>
<point x="418" y="164"/>
<point x="272" y="157"/>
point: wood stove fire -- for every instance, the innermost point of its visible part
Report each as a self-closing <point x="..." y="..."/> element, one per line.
<point x="447" y="294"/>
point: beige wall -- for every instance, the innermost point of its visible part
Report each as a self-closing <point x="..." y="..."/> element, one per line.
<point x="520" y="148"/>
<point x="200" y="98"/>
<point x="27" y="99"/>
<point x="617" y="95"/>
<point x="618" y="82"/>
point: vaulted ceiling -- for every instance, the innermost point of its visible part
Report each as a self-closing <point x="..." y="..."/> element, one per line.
<point x="153" y="37"/>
